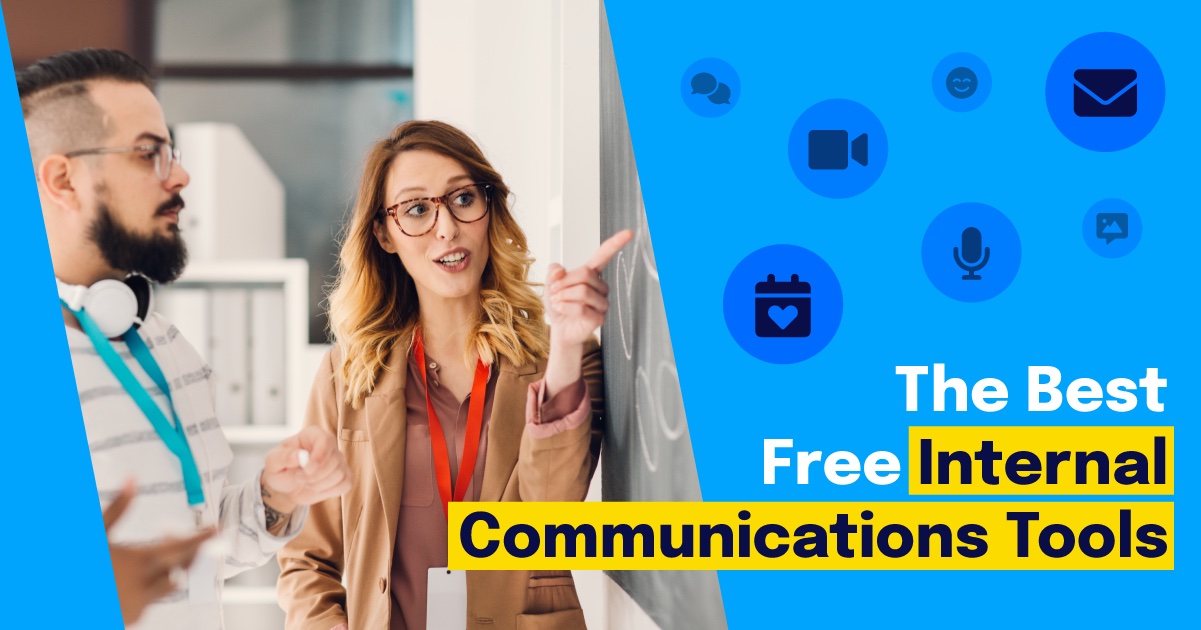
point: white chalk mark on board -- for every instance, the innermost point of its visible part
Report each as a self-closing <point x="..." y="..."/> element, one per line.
<point x="668" y="370"/>
<point x="652" y="460"/>
<point x="655" y="416"/>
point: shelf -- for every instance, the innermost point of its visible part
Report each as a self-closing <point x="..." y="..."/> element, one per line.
<point x="292" y="275"/>
<point x="249" y="595"/>
<point x="266" y="435"/>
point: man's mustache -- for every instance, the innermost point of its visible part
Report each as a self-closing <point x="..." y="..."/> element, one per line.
<point x="174" y="204"/>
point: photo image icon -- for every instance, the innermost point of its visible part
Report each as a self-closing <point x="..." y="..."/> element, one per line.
<point x="1112" y="228"/>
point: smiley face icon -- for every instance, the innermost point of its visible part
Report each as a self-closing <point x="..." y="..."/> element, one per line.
<point x="962" y="82"/>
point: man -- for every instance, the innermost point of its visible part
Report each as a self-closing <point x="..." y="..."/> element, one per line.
<point x="109" y="182"/>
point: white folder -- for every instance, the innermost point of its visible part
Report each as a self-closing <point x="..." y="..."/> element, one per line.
<point x="188" y="311"/>
<point x="267" y="361"/>
<point x="230" y="344"/>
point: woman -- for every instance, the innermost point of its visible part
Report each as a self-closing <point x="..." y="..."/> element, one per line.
<point x="442" y="351"/>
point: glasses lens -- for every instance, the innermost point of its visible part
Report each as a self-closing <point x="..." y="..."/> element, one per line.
<point x="469" y="203"/>
<point x="415" y="217"/>
<point x="163" y="161"/>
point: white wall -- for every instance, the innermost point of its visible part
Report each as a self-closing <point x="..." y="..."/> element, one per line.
<point x="496" y="70"/>
<point x="523" y="78"/>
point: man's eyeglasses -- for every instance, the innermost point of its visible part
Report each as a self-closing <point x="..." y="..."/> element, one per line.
<point x="162" y="154"/>
<point x="416" y="217"/>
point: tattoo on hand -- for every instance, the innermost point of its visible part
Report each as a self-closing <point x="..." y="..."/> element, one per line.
<point x="274" y="516"/>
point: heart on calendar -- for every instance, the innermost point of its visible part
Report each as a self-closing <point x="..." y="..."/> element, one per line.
<point x="782" y="316"/>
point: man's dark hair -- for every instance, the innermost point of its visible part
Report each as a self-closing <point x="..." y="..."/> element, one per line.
<point x="54" y="96"/>
<point x="77" y="66"/>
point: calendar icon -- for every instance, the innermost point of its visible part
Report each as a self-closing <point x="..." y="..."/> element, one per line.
<point x="782" y="309"/>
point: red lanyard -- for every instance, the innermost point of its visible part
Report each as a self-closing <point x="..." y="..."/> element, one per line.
<point x="471" y="441"/>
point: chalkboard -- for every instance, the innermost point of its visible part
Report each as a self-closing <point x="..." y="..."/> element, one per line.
<point x="647" y="454"/>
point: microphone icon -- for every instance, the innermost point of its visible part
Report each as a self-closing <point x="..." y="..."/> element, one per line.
<point x="973" y="259"/>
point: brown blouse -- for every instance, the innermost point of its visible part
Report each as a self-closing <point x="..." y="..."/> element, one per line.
<point x="421" y="541"/>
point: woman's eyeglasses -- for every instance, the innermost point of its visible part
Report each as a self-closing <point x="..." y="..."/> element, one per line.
<point x="416" y="217"/>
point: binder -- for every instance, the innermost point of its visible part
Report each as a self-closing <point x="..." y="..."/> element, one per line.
<point x="230" y="355"/>
<point x="267" y="357"/>
<point x="188" y="311"/>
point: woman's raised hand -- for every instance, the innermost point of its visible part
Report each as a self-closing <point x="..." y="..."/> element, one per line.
<point x="576" y="303"/>
<point x="577" y="300"/>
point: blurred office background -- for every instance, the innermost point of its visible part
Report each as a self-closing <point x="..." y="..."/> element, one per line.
<point x="311" y="83"/>
<point x="307" y="86"/>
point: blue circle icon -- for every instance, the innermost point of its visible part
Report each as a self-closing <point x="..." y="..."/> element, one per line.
<point x="1105" y="92"/>
<point x="837" y="148"/>
<point x="961" y="82"/>
<point x="710" y="88"/>
<point x="1112" y="228"/>
<point x="971" y="252"/>
<point x="783" y="304"/>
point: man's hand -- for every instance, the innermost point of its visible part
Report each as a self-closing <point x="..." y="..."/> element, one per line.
<point x="143" y="572"/>
<point x="287" y="484"/>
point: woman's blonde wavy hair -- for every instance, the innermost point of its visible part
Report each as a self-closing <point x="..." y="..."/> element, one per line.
<point x="373" y="308"/>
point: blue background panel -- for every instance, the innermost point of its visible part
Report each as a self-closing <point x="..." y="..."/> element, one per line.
<point x="58" y="575"/>
<point x="1087" y="315"/>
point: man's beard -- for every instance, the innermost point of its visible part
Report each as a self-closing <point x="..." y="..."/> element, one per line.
<point x="160" y="258"/>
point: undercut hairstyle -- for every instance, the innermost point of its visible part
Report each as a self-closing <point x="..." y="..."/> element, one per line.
<point x="60" y="114"/>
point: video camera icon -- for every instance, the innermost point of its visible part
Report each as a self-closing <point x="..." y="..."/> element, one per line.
<point x="828" y="149"/>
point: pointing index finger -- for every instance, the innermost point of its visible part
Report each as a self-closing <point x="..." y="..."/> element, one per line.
<point x="608" y="250"/>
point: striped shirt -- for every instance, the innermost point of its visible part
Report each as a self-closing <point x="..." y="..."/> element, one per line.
<point x="125" y="445"/>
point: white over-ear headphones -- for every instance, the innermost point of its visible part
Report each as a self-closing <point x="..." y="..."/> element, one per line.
<point x="115" y="305"/>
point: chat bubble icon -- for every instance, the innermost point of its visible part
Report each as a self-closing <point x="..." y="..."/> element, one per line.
<point x="1113" y="225"/>
<point x="703" y="83"/>
<point x="720" y="96"/>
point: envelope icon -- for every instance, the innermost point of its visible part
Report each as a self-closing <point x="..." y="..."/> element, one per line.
<point x="1105" y="93"/>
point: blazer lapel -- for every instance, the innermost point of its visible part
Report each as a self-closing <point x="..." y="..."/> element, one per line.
<point x="506" y="427"/>
<point x="386" y="424"/>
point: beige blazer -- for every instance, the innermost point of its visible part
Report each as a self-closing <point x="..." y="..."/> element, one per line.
<point x="351" y="538"/>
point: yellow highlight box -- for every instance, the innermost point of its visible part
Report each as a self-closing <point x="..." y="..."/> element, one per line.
<point x="1041" y="460"/>
<point x="815" y="536"/>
